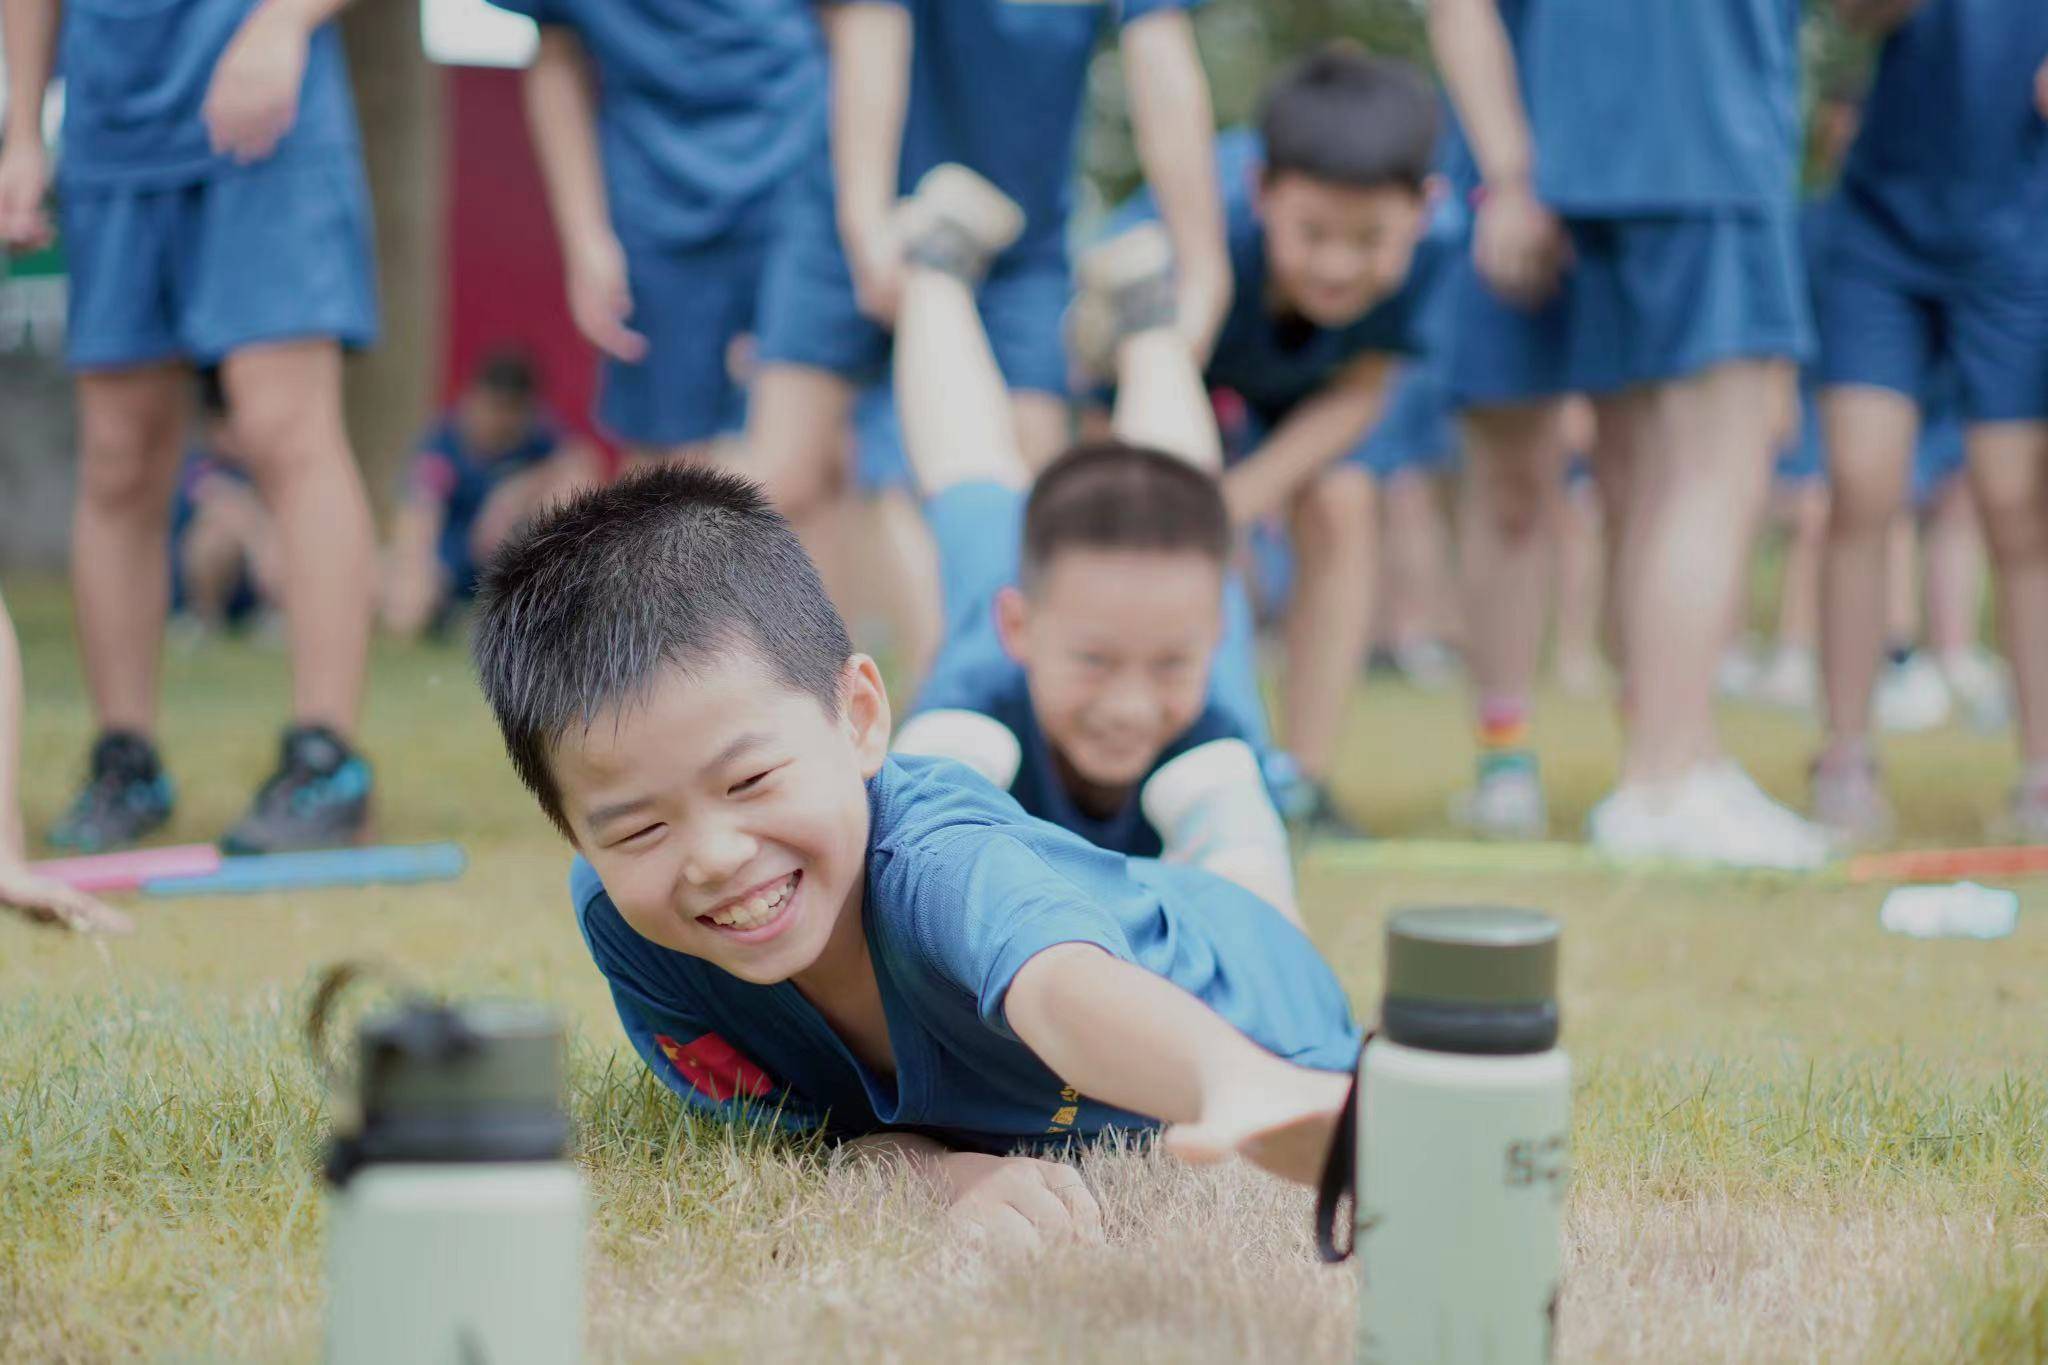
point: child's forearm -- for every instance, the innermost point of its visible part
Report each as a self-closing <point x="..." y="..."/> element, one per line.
<point x="561" y="114"/>
<point x="950" y="396"/>
<point x="1478" y="65"/>
<point x="870" y="45"/>
<point x="1127" y="1037"/>
<point x="28" y="33"/>
<point x="1173" y="124"/>
<point x="1319" y="432"/>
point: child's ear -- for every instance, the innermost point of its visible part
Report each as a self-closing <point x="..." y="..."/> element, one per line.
<point x="1013" y="617"/>
<point x="864" y="706"/>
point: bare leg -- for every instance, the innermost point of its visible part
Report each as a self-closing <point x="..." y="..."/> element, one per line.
<point x="211" y="558"/>
<point x="1902" y="582"/>
<point x="1161" y="401"/>
<point x="1042" y="427"/>
<point x="286" y="406"/>
<point x="1806" y="527"/>
<point x="1695" y="498"/>
<point x="1870" y="434"/>
<point x="1623" y="429"/>
<point x="1515" y="455"/>
<point x="2009" y="469"/>
<point x="131" y="427"/>
<point x="1418" y="588"/>
<point x="1333" y="523"/>
<point x="1952" y="547"/>
<point x="950" y="396"/>
<point x="1580" y="564"/>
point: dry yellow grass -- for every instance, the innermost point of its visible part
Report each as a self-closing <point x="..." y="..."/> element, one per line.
<point x="1798" y="1137"/>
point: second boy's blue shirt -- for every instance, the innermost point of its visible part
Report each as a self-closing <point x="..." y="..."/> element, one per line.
<point x="962" y="889"/>
<point x="705" y="107"/>
<point x="1952" y="158"/>
<point x="135" y="80"/>
<point x="1654" y="106"/>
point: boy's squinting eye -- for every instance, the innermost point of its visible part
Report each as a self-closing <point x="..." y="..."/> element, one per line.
<point x="638" y="836"/>
<point x="748" y="784"/>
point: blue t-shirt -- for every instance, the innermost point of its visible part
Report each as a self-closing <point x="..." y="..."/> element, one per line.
<point x="979" y="530"/>
<point x="1272" y="361"/>
<point x="1952" y="157"/>
<point x="1649" y="106"/>
<point x="705" y="108"/>
<point x="998" y="86"/>
<point x="962" y="889"/>
<point x="446" y="470"/>
<point x="136" y="75"/>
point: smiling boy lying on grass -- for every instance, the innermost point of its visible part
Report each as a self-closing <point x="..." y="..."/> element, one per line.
<point x="798" y="926"/>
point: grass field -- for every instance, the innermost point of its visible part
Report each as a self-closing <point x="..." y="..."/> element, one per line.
<point x="1797" y="1137"/>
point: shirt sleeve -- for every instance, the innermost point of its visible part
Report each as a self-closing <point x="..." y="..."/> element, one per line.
<point x="986" y="904"/>
<point x="672" y="1034"/>
<point x="1130" y="11"/>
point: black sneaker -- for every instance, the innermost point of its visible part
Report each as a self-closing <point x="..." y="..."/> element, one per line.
<point x="319" y="797"/>
<point x="126" y="796"/>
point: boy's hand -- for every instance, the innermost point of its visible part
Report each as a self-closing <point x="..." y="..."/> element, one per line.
<point x="1518" y="244"/>
<point x="51" y="901"/>
<point x="1282" y="1118"/>
<point x="24" y="179"/>
<point x="600" y="299"/>
<point x="874" y="253"/>
<point x="1018" y="1201"/>
<point x="253" y="99"/>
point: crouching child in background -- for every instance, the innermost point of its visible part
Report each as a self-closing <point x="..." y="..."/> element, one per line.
<point x="800" y="926"/>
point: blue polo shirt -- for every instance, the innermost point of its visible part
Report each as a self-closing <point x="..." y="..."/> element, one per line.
<point x="962" y="889"/>
<point x="1653" y="106"/>
<point x="998" y="86"/>
<point x="135" y="78"/>
<point x="705" y="108"/>
<point x="1952" y="157"/>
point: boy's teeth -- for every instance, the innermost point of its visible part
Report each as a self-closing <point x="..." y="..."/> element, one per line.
<point x="756" y="910"/>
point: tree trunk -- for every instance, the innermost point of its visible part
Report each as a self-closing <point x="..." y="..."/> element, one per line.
<point x="398" y="99"/>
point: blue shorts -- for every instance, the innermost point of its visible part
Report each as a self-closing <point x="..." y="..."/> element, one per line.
<point x="275" y="251"/>
<point x="1888" y="319"/>
<point x="1646" y="300"/>
<point x="808" y="315"/>
<point x="879" y="462"/>
<point x="1415" y="430"/>
<point x="692" y="304"/>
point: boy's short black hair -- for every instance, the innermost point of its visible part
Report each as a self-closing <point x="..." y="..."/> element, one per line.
<point x="1344" y="116"/>
<point x="667" y="568"/>
<point x="1110" y="495"/>
<point x="511" y="372"/>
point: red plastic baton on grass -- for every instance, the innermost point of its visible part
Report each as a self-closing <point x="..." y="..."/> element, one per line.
<point x="127" y="870"/>
<point x="1950" y="864"/>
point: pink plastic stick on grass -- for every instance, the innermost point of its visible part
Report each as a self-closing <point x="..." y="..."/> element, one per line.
<point x="127" y="870"/>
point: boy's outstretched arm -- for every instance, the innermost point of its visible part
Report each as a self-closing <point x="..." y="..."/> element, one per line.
<point x="253" y="99"/>
<point x="1517" y="243"/>
<point x="869" y="42"/>
<point x="950" y="397"/>
<point x="561" y="114"/>
<point x="1174" y="126"/>
<point x="1127" y="1037"/>
<point x="1318" y="432"/>
<point x="28" y="35"/>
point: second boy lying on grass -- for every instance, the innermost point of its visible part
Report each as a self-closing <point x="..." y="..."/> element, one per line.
<point x="1084" y="609"/>
<point x="799" y="926"/>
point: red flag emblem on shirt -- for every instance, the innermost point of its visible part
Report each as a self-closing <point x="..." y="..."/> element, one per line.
<point x="714" y="1067"/>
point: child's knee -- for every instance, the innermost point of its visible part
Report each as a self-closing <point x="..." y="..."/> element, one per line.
<point x="1334" y="513"/>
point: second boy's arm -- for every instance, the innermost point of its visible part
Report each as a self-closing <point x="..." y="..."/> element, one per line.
<point x="1518" y="244"/>
<point x="28" y="34"/>
<point x="561" y="113"/>
<point x="870" y="43"/>
<point x="1132" y="1039"/>
<point x="1318" y="432"/>
<point x="1173" y="124"/>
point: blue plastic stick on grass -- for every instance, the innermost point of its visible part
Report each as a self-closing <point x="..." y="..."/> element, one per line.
<point x="325" y="867"/>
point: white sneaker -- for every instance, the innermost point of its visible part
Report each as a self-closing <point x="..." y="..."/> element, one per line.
<point x="1791" y="680"/>
<point x="1714" y="815"/>
<point x="1736" y="675"/>
<point x="1912" y="696"/>
<point x="1977" y="680"/>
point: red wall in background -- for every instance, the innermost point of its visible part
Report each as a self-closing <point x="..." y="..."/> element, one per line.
<point x="500" y="263"/>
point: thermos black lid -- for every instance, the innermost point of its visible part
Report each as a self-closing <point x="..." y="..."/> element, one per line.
<point x="1470" y="978"/>
<point x="440" y="1083"/>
